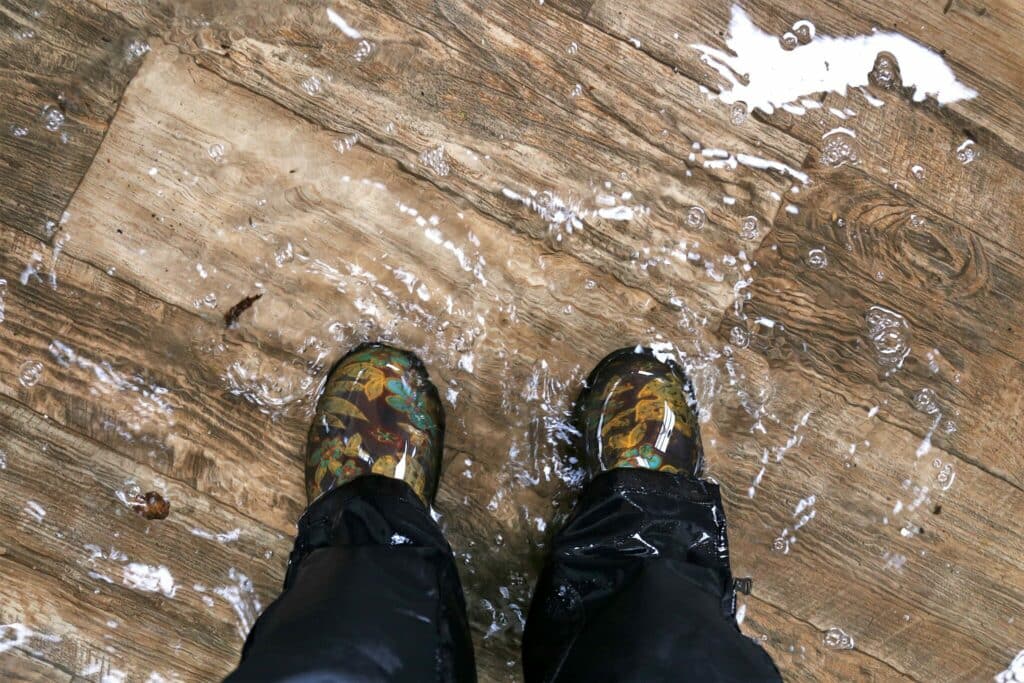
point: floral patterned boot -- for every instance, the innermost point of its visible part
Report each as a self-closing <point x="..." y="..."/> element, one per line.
<point x="379" y="414"/>
<point x="636" y="411"/>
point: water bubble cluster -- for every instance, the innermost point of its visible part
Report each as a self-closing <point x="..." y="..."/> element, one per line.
<point x="435" y="160"/>
<point x="837" y="639"/>
<point x="889" y="333"/>
<point x="749" y="228"/>
<point x="53" y="118"/>
<point x="364" y="50"/>
<point x="738" y="113"/>
<point x="886" y="71"/>
<point x="925" y="401"/>
<point x="30" y="372"/>
<point x="839" y="148"/>
<point x="136" y="49"/>
<point x="18" y="131"/>
<point x="946" y="474"/>
<point x="312" y="85"/>
<point x="739" y="336"/>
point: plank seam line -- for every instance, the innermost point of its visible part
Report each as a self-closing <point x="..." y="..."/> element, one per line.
<point x="106" y="447"/>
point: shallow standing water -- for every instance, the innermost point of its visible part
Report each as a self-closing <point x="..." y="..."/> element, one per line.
<point x="512" y="193"/>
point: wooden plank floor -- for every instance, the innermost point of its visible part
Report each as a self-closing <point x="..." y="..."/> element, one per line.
<point x="512" y="190"/>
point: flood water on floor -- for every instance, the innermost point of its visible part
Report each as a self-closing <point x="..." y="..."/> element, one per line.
<point x="512" y="194"/>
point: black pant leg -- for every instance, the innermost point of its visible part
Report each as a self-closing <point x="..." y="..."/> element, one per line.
<point x="638" y="588"/>
<point x="371" y="594"/>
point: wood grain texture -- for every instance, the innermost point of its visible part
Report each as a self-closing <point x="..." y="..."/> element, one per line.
<point x="74" y="59"/>
<point x="420" y="188"/>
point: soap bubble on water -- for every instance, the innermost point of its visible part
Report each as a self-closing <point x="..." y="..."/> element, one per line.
<point x="837" y="639"/>
<point x="30" y="372"/>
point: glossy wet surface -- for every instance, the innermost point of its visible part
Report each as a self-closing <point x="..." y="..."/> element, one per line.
<point x="830" y="248"/>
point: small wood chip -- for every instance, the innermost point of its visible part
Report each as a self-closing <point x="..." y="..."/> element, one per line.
<point x="231" y="317"/>
<point x="151" y="505"/>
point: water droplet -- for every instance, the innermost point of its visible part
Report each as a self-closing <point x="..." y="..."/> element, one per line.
<point x="136" y="49"/>
<point x="789" y="40"/>
<point x="889" y="333"/>
<point x="739" y="336"/>
<point x="19" y="131"/>
<point x="946" y="476"/>
<point x="3" y="460"/>
<point x="749" y="229"/>
<point x="312" y="85"/>
<point x="837" y="639"/>
<point x="918" y="171"/>
<point x="346" y="143"/>
<point x="577" y="90"/>
<point x="695" y="218"/>
<point x="285" y="254"/>
<point x="210" y="300"/>
<point x="925" y="401"/>
<point x="886" y="71"/>
<point x="573" y="48"/>
<point x="804" y="31"/>
<point x="966" y="152"/>
<point x="816" y="258"/>
<point x="216" y="152"/>
<point x="781" y="545"/>
<point x="3" y="295"/>
<point x="738" y="113"/>
<point x="435" y="160"/>
<point x="53" y="118"/>
<point x="30" y="372"/>
<point x="839" y="148"/>
<point x="364" y="50"/>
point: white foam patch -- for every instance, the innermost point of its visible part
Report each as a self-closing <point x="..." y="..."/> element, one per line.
<point x="146" y="577"/>
<point x="764" y="75"/>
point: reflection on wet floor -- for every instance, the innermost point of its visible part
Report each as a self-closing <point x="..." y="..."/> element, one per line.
<point x="510" y="259"/>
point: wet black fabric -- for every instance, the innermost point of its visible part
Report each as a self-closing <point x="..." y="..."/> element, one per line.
<point x="637" y="588"/>
<point x="371" y="594"/>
